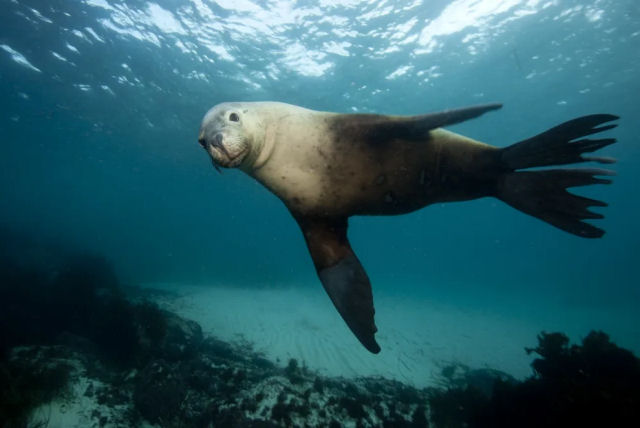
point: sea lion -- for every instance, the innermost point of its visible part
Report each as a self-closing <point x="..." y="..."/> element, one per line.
<point x="326" y="167"/>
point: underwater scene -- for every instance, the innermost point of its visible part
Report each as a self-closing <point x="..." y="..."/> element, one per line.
<point x="263" y="213"/>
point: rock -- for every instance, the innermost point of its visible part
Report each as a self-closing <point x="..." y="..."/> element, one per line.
<point x="162" y="334"/>
<point x="182" y="339"/>
<point x="159" y="392"/>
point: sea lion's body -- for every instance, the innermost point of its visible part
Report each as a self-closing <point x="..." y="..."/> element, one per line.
<point x="327" y="167"/>
<point x="318" y="168"/>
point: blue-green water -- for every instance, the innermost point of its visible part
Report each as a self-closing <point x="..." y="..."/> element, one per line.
<point x="101" y="103"/>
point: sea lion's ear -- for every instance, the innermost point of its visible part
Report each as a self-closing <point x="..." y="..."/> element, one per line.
<point x="342" y="275"/>
<point x="375" y="128"/>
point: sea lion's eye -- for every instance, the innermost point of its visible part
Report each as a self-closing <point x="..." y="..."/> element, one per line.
<point x="233" y="117"/>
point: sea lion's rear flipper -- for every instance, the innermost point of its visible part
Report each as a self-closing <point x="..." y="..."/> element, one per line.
<point x="543" y="193"/>
<point x="375" y="128"/>
<point x="342" y="275"/>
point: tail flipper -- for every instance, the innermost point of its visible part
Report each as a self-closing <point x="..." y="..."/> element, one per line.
<point x="543" y="193"/>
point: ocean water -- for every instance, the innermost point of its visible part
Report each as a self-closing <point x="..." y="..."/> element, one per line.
<point x="102" y="102"/>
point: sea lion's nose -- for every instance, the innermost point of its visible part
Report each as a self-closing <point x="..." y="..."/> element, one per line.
<point x="201" y="140"/>
<point x="217" y="143"/>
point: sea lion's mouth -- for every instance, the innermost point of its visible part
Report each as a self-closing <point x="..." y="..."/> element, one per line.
<point x="223" y="157"/>
<point x="227" y="151"/>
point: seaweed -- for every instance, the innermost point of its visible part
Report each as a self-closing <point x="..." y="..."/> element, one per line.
<point x="597" y="383"/>
<point x="455" y="407"/>
<point x="79" y="294"/>
<point x="593" y="384"/>
<point x="293" y="372"/>
<point x="159" y="392"/>
<point x="24" y="385"/>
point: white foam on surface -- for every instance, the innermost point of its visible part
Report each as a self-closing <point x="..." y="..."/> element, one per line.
<point x="19" y="58"/>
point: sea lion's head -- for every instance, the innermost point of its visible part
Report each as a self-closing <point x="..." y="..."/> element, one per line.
<point x="226" y="133"/>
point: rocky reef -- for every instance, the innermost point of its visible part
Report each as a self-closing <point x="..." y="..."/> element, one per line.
<point x="79" y="349"/>
<point x="74" y="341"/>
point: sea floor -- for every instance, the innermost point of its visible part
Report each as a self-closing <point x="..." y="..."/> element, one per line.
<point x="419" y="335"/>
<point x="321" y="372"/>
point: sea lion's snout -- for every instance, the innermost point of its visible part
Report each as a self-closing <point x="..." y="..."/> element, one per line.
<point x="225" y="148"/>
<point x="217" y="142"/>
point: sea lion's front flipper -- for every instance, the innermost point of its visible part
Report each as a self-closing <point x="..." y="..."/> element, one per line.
<point x="375" y="128"/>
<point x="342" y="275"/>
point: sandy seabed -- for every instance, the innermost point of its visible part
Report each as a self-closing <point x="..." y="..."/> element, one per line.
<point x="418" y="336"/>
